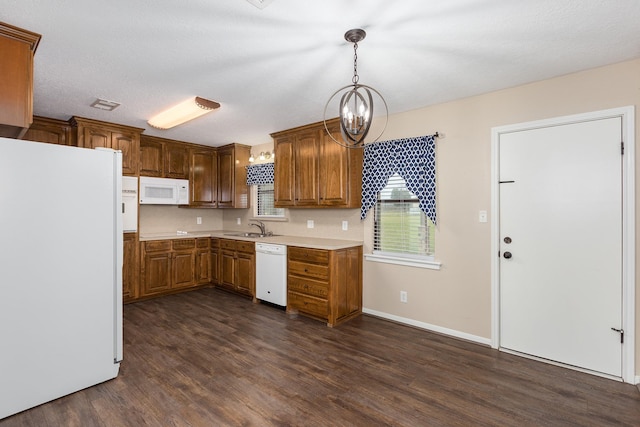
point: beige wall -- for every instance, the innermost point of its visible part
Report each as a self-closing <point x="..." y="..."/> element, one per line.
<point x="458" y="297"/>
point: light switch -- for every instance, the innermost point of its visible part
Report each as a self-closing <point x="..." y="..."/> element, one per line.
<point x="345" y="225"/>
<point x="198" y="220"/>
<point x="482" y="216"/>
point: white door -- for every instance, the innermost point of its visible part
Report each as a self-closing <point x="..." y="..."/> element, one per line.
<point x="561" y="243"/>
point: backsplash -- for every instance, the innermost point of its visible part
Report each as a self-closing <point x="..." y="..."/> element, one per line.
<point x="327" y="222"/>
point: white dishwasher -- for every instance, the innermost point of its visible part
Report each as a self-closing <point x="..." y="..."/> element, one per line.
<point x="271" y="273"/>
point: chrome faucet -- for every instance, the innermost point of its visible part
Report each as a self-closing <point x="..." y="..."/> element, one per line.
<point x="261" y="226"/>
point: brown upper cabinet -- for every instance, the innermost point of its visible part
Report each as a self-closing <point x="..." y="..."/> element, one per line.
<point x="93" y="133"/>
<point x="50" y="131"/>
<point x="233" y="191"/>
<point x="217" y="176"/>
<point x="312" y="170"/>
<point x="203" y="177"/>
<point x="17" y="47"/>
<point x="163" y="158"/>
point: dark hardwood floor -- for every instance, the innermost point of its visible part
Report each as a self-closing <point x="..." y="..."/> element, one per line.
<point x="208" y="358"/>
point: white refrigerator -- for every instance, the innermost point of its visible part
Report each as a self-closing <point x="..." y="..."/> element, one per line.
<point x="60" y="271"/>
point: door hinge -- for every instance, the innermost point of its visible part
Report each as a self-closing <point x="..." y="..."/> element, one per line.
<point x="622" y="148"/>
<point x="621" y="332"/>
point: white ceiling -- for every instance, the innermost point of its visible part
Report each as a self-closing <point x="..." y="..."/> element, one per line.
<point x="275" y="68"/>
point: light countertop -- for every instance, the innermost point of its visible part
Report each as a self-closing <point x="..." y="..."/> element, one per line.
<point x="307" y="242"/>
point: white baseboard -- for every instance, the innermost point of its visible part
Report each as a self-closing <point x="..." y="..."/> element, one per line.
<point x="429" y="327"/>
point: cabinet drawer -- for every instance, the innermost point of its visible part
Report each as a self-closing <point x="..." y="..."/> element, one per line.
<point x="242" y="246"/>
<point x="157" y="245"/>
<point x="203" y="243"/>
<point x="309" y="270"/>
<point x="215" y="244"/>
<point x="228" y="244"/>
<point x="307" y="304"/>
<point x="318" y="256"/>
<point x="183" y="244"/>
<point x="307" y="286"/>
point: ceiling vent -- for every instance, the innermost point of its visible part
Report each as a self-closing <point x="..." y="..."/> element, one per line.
<point x="103" y="104"/>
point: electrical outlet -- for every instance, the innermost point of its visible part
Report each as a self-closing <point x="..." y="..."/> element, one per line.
<point x="309" y="223"/>
<point x="199" y="220"/>
<point x="345" y="225"/>
<point x="403" y="296"/>
<point x="238" y="221"/>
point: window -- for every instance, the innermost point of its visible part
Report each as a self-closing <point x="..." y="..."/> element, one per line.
<point x="401" y="229"/>
<point x="264" y="202"/>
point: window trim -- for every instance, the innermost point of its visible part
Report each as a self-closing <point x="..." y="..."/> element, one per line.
<point x="254" y="213"/>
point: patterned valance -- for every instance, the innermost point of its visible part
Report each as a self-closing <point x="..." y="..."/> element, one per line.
<point x="260" y="174"/>
<point x="414" y="159"/>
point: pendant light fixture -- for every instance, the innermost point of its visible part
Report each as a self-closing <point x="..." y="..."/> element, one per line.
<point x="356" y="103"/>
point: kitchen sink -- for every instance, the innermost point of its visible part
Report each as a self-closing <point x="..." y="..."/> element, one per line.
<point x="249" y="234"/>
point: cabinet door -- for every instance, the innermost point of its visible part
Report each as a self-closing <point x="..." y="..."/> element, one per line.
<point x="203" y="267"/>
<point x="284" y="172"/>
<point x="215" y="261"/>
<point x="127" y="143"/>
<point x="176" y="161"/>
<point x="245" y="273"/>
<point x="151" y="157"/>
<point x="130" y="266"/>
<point x="49" y="131"/>
<point x="334" y="171"/>
<point x="306" y="169"/>
<point x="183" y="269"/>
<point x="157" y="273"/>
<point x="96" y="137"/>
<point x="227" y="269"/>
<point x="16" y="84"/>
<point x="203" y="178"/>
<point x="226" y="164"/>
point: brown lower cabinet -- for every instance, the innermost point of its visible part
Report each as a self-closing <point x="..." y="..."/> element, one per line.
<point x="130" y="265"/>
<point x="237" y="265"/>
<point x="169" y="266"/>
<point x="325" y="284"/>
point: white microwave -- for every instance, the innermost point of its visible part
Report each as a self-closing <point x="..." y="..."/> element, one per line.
<point x="163" y="191"/>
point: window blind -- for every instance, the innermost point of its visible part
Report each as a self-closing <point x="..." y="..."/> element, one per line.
<point x="265" y="195"/>
<point x="400" y="226"/>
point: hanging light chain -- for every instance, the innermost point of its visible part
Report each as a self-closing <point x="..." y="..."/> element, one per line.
<point x="356" y="77"/>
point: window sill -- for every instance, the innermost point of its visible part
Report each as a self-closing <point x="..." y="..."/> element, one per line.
<point x="269" y="218"/>
<point x="406" y="261"/>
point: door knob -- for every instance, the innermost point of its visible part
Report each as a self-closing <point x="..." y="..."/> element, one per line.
<point x="507" y="255"/>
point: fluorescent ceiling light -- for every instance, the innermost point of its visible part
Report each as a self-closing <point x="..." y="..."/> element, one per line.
<point x="183" y="112"/>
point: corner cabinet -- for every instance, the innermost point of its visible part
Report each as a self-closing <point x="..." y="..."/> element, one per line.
<point x="311" y="170"/>
<point x="93" y="133"/>
<point x="18" y="47"/>
<point x="325" y="284"/>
